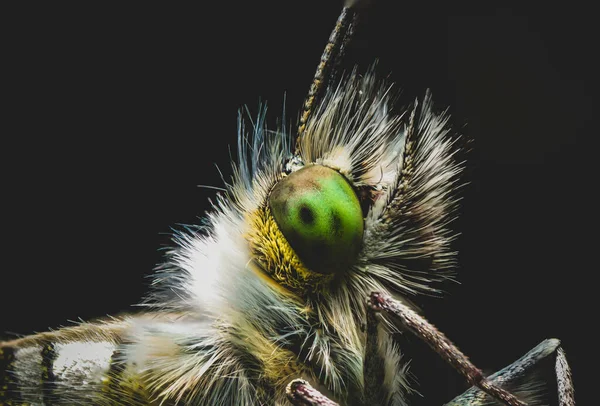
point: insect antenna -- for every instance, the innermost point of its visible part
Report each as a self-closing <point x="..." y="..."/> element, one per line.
<point x="330" y="60"/>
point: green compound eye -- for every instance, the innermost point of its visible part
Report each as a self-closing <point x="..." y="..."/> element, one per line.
<point x="320" y="216"/>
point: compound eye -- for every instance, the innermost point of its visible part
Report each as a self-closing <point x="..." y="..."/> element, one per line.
<point x="320" y="216"/>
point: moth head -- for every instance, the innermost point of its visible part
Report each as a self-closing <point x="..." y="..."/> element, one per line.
<point x="366" y="193"/>
<point x="365" y="199"/>
<point x="307" y="229"/>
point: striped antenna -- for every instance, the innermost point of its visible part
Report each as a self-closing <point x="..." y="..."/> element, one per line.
<point x="330" y="59"/>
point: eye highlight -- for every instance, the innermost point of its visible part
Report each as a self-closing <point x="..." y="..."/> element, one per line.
<point x="320" y="216"/>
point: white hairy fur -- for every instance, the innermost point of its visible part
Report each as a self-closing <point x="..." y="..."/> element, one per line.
<point x="209" y="276"/>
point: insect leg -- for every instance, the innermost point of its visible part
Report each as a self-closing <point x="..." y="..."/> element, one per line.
<point x="566" y="391"/>
<point x="300" y="393"/>
<point x="518" y="375"/>
<point x="373" y="365"/>
<point x="441" y="344"/>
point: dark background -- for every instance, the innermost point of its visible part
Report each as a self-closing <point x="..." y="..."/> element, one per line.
<point x="116" y="113"/>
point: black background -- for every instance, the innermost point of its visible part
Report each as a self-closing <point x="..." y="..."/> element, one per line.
<point x="116" y="113"/>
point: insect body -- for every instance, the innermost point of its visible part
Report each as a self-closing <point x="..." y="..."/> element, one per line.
<point x="353" y="206"/>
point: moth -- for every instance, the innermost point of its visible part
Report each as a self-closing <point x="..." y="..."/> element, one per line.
<point x="291" y="288"/>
